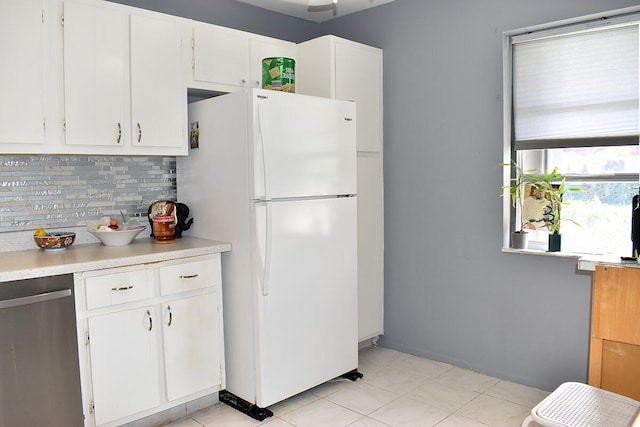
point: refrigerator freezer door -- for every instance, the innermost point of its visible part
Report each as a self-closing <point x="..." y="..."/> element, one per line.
<point x="302" y="146"/>
<point x="307" y="322"/>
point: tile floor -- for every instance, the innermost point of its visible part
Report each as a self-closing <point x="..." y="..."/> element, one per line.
<point x="397" y="390"/>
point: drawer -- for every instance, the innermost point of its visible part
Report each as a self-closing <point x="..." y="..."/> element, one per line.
<point x="119" y="288"/>
<point x="190" y="275"/>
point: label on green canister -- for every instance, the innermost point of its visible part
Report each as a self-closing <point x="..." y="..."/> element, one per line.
<point x="279" y="74"/>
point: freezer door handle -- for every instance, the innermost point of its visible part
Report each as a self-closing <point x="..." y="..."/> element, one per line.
<point x="262" y="160"/>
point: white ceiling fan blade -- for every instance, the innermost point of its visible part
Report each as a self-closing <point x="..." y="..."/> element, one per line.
<point x="315" y="3"/>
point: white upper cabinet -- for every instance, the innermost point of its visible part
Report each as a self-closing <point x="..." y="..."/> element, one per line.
<point x="359" y="77"/>
<point x="96" y="75"/>
<point x="226" y="60"/>
<point x="220" y="58"/>
<point x="337" y="68"/>
<point x="124" y="81"/>
<point x="23" y="47"/>
<point x="158" y="84"/>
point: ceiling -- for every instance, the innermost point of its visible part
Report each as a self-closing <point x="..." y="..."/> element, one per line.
<point x="300" y="8"/>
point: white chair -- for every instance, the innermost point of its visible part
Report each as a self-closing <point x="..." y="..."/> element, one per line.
<point x="581" y="405"/>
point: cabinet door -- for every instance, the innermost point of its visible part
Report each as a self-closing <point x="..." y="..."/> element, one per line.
<point x="22" y="74"/>
<point x="124" y="363"/>
<point x="158" y="83"/>
<point x="359" y="78"/>
<point x="616" y="304"/>
<point x="96" y="74"/>
<point x="370" y="247"/>
<point x="267" y="48"/>
<point x="191" y="345"/>
<point x="220" y="56"/>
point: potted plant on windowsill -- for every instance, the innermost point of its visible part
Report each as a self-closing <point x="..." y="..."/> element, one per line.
<point x="552" y="186"/>
<point x="546" y="192"/>
<point x="516" y="190"/>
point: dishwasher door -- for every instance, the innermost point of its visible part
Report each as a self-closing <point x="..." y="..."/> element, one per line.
<point x="39" y="372"/>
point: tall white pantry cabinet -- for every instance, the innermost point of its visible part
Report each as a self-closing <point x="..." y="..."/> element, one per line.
<point x="333" y="67"/>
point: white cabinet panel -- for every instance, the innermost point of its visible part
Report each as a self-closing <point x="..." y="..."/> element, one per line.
<point x="370" y="247"/>
<point x="124" y="363"/>
<point x="96" y="75"/>
<point x="158" y="83"/>
<point x="22" y="74"/>
<point x="359" y="78"/>
<point x="192" y="352"/>
<point x="220" y="57"/>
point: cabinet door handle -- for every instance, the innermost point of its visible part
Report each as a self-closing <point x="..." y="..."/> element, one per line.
<point x="189" y="276"/>
<point x="170" y="316"/>
<point x="122" y="288"/>
<point x="139" y="132"/>
<point x="150" y="320"/>
<point x="119" y="133"/>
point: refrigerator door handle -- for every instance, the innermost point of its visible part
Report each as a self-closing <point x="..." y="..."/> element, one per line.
<point x="264" y="155"/>
<point x="266" y="261"/>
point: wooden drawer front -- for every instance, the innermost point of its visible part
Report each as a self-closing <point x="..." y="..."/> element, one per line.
<point x="616" y="304"/>
<point x="119" y="288"/>
<point x="189" y="276"/>
<point x="621" y="369"/>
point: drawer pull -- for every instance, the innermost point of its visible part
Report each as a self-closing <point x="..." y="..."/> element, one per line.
<point x="189" y="276"/>
<point x="150" y="320"/>
<point x="123" y="288"/>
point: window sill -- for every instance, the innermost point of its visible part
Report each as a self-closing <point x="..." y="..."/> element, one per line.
<point x="586" y="262"/>
<point x="543" y="253"/>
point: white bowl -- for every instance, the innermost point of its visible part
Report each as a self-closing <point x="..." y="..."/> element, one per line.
<point x="117" y="237"/>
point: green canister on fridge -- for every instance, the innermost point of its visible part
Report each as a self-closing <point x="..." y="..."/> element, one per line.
<point x="279" y="74"/>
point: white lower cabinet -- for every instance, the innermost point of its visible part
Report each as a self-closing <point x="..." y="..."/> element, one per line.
<point x="150" y="337"/>
<point x="124" y="363"/>
<point x="192" y="358"/>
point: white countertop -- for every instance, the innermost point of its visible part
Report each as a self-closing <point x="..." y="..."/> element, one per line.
<point x="26" y="264"/>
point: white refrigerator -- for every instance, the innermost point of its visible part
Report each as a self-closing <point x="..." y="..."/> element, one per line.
<point x="274" y="173"/>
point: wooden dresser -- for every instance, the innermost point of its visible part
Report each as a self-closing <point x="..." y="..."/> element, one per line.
<point x="614" y="356"/>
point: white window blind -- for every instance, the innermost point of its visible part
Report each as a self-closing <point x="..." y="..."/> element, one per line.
<point x="577" y="89"/>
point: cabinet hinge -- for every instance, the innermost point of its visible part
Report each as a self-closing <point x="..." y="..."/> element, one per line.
<point x="44" y="125"/>
<point x="86" y="339"/>
<point x="42" y="15"/>
<point x="92" y="407"/>
<point x="62" y="20"/>
<point x="64" y="126"/>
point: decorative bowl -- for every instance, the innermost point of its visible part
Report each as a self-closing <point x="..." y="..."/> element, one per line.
<point x="55" y="241"/>
<point x="110" y="237"/>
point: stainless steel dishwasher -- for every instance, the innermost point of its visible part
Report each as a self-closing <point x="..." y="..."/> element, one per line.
<point x="39" y="373"/>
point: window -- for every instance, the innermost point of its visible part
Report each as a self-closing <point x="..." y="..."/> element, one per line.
<point x="572" y="102"/>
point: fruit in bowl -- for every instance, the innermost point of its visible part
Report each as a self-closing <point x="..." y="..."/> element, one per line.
<point x="120" y="237"/>
<point x="54" y="240"/>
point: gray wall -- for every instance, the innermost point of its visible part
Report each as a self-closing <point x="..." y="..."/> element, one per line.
<point x="451" y="294"/>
